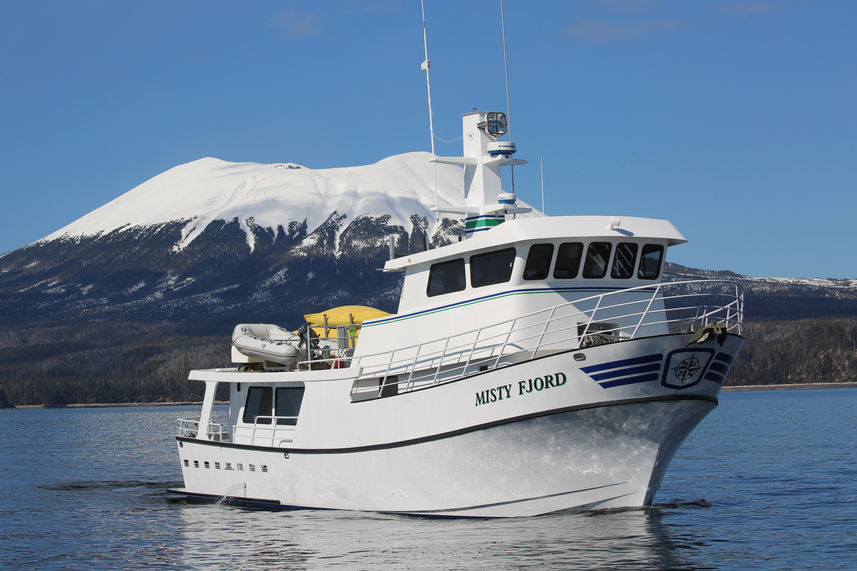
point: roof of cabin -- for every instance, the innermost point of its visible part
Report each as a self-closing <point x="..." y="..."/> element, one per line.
<point x="549" y="228"/>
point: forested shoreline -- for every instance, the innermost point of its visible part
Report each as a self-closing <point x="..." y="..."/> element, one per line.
<point x="96" y="363"/>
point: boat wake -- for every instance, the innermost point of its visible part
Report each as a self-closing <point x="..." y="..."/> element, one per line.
<point x="97" y="485"/>
<point x="676" y="503"/>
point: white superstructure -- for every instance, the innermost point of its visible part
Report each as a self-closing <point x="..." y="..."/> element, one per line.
<point x="538" y="365"/>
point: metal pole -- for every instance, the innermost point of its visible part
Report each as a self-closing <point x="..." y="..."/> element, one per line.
<point x="508" y="102"/>
<point x="426" y="66"/>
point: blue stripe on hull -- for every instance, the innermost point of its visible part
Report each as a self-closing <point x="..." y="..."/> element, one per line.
<point x="626" y="371"/>
<point x="623" y="362"/>
<point x="631" y="380"/>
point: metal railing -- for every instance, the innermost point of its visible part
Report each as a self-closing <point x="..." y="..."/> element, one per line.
<point x="657" y="309"/>
<point x="190" y="428"/>
<point x="267" y="431"/>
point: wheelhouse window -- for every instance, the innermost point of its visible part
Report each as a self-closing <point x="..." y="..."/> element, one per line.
<point x="650" y="262"/>
<point x="568" y="260"/>
<point x="288" y="405"/>
<point x="538" y="262"/>
<point x="446" y="277"/>
<point x="597" y="256"/>
<point x="624" y="261"/>
<point x="258" y="404"/>
<point x="491" y="267"/>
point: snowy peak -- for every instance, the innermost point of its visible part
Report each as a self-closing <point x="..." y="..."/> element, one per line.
<point x="273" y="195"/>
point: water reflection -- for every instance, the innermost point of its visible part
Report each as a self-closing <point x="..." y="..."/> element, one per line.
<point x="236" y="537"/>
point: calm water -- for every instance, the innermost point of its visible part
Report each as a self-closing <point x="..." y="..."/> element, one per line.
<point x="766" y="481"/>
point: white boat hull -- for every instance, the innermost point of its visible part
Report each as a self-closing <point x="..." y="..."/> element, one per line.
<point x="454" y="450"/>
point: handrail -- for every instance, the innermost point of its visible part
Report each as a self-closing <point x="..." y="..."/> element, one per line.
<point x="658" y="310"/>
<point x="266" y="430"/>
<point x="189" y="428"/>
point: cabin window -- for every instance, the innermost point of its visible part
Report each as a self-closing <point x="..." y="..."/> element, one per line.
<point x="597" y="256"/>
<point x="624" y="260"/>
<point x="289" y="404"/>
<point x="258" y="404"/>
<point x="538" y="262"/>
<point x="568" y="260"/>
<point x="446" y="277"/>
<point x="491" y="267"/>
<point x="650" y="262"/>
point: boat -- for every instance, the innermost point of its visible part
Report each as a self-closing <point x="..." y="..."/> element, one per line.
<point x="542" y="363"/>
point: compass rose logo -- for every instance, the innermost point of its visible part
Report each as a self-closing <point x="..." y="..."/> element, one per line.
<point x="686" y="369"/>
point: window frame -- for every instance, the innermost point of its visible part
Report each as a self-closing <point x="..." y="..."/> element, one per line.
<point x="251" y="391"/>
<point x="559" y="253"/>
<point x="508" y="275"/>
<point x="658" y="248"/>
<point x="586" y="272"/>
<point x="446" y="263"/>
<point x="547" y="268"/>
<point x="617" y="261"/>
<point x="294" y="417"/>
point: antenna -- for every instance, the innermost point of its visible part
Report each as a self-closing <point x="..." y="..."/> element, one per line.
<point x="426" y="66"/>
<point x="542" y="175"/>
<point x="506" y="68"/>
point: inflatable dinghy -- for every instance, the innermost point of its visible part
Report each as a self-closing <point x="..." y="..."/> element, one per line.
<point x="264" y="342"/>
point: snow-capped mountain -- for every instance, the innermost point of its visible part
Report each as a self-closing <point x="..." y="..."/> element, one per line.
<point x="274" y="195"/>
<point x="213" y="243"/>
<point x="217" y="241"/>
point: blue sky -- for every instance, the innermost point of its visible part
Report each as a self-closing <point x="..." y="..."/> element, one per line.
<point x="736" y="120"/>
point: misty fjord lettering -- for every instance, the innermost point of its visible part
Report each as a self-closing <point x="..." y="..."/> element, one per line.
<point x="524" y="387"/>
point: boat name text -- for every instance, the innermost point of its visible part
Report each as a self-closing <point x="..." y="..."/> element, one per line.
<point x="525" y="387"/>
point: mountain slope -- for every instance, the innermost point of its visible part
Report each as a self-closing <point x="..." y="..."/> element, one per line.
<point x="212" y="242"/>
<point x="783" y="298"/>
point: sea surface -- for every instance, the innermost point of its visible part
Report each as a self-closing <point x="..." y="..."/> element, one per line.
<point x="767" y="481"/>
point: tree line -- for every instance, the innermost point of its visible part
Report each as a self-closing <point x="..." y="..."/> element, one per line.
<point x="105" y="362"/>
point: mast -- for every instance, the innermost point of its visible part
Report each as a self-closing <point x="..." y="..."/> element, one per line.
<point x="426" y="65"/>
<point x="485" y="203"/>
